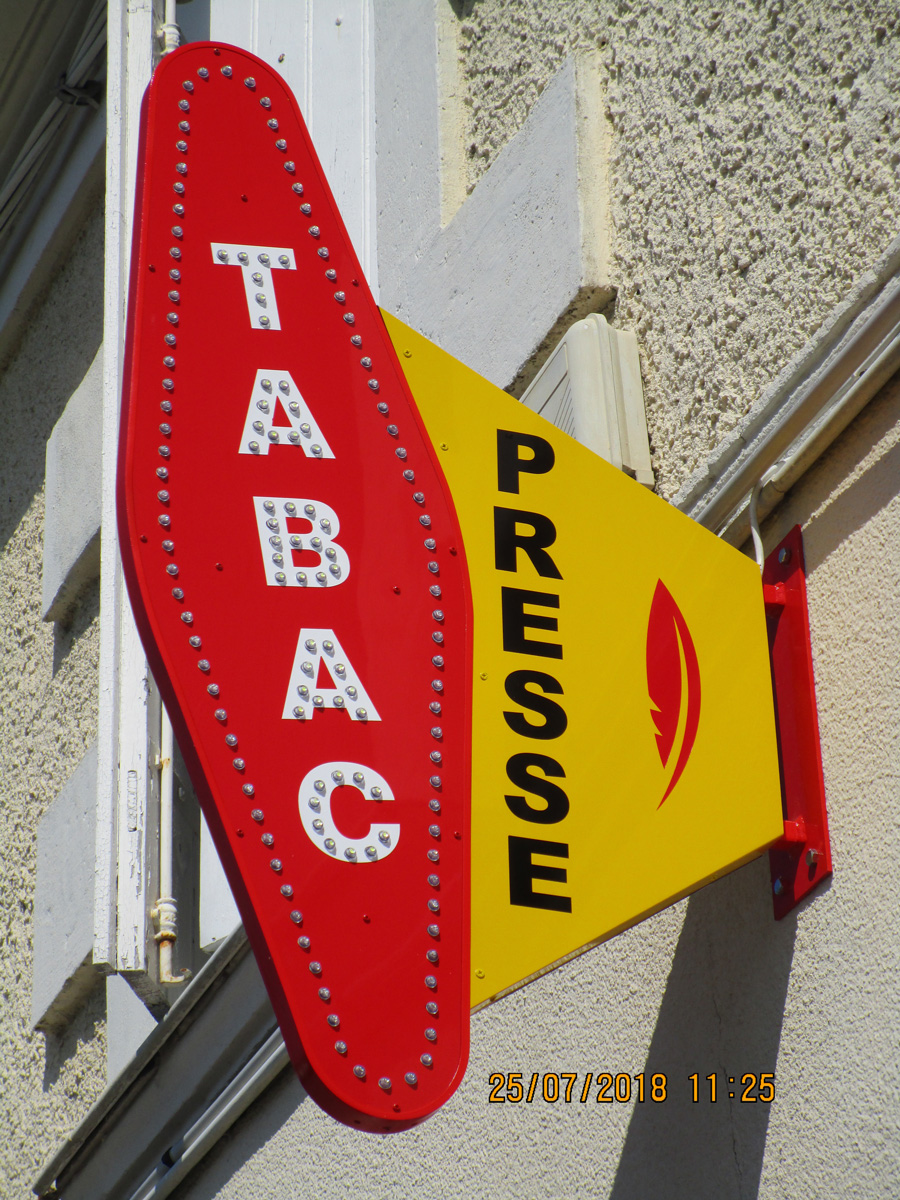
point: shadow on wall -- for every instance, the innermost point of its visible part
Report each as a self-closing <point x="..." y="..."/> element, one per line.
<point x="64" y="1044"/>
<point x="722" y="1012"/>
<point x="66" y="633"/>
<point x="56" y="350"/>
<point x="865" y="456"/>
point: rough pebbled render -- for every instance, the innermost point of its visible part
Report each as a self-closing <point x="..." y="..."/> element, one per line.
<point x="48" y="701"/>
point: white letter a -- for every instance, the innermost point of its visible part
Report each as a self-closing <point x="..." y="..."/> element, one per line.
<point x="318" y="648"/>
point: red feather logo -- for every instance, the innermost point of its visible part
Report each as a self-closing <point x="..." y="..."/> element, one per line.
<point x="673" y="681"/>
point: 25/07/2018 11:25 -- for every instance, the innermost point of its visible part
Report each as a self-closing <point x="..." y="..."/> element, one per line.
<point x="622" y="1088"/>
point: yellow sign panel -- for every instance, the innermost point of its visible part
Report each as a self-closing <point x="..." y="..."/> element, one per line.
<point x="624" y="748"/>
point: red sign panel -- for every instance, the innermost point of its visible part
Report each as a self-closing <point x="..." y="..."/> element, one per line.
<point x="297" y="573"/>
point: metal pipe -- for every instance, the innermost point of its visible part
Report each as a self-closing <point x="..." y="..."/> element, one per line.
<point x="839" y="370"/>
<point x="857" y="372"/>
<point x="817" y="437"/>
<point x="166" y="911"/>
<point x="169" y="33"/>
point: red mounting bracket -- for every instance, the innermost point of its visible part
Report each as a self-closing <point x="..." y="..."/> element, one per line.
<point x="801" y="859"/>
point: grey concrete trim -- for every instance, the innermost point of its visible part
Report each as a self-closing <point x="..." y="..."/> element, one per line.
<point x="63" y="920"/>
<point x="72" y="497"/>
<point x="129" y="1023"/>
<point x="214" y="1122"/>
<point x="218" y="912"/>
<point x="527" y="252"/>
<point x="71" y="188"/>
<point x="188" y="1060"/>
<point x="815" y="397"/>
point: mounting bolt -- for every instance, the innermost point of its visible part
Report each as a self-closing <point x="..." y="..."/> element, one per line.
<point x="777" y="887"/>
<point x="813" y="856"/>
<point x="784" y="554"/>
<point x="479" y="974"/>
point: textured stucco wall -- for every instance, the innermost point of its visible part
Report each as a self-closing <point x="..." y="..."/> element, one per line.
<point x="48" y="701"/>
<point x="754" y="174"/>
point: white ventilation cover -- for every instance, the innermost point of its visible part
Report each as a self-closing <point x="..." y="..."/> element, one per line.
<point x="590" y="387"/>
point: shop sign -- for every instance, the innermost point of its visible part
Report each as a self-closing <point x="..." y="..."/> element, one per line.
<point x="297" y="573"/>
<point x="624" y="750"/>
<point x="376" y="592"/>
